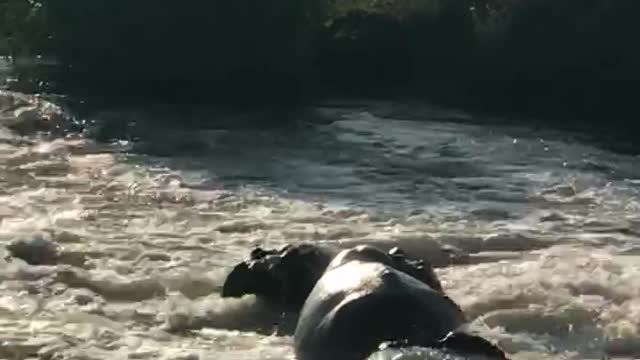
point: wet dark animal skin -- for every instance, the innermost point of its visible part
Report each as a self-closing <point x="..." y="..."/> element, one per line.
<point x="407" y="307"/>
<point x="285" y="277"/>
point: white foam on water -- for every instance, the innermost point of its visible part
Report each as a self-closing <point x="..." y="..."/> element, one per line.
<point x="145" y="250"/>
<point x="565" y="299"/>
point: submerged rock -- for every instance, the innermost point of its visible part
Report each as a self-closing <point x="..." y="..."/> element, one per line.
<point x="34" y="251"/>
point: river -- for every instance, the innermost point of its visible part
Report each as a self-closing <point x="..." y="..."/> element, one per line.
<point x="150" y="219"/>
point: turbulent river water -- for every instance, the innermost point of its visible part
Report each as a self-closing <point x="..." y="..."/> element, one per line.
<point x="149" y="221"/>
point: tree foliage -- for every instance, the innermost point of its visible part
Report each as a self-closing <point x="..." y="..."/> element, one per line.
<point x="23" y="27"/>
<point x="520" y="54"/>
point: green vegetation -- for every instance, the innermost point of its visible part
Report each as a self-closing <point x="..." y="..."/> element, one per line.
<point x="567" y="57"/>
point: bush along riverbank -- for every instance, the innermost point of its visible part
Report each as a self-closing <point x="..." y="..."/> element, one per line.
<point x="573" y="59"/>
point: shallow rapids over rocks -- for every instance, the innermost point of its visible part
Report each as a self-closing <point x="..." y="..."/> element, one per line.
<point x="533" y="234"/>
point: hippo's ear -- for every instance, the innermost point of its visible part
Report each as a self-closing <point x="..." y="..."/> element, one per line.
<point x="257" y="253"/>
<point x="467" y="344"/>
<point x="432" y="277"/>
<point x="420" y="269"/>
<point x="238" y="282"/>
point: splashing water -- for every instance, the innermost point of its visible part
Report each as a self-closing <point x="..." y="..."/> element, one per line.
<point x="147" y="230"/>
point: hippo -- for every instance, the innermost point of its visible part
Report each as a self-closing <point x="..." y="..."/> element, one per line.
<point x="455" y="346"/>
<point x="364" y="299"/>
<point x="285" y="277"/>
<point x="281" y="277"/>
<point x="355" y="303"/>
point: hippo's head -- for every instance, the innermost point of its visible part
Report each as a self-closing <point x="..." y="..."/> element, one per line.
<point x="283" y="277"/>
<point x="253" y="276"/>
<point x="395" y="258"/>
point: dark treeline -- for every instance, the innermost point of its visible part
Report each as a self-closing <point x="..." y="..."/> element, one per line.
<point x="573" y="58"/>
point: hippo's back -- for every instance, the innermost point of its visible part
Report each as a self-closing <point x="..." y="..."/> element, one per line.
<point x="355" y="307"/>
